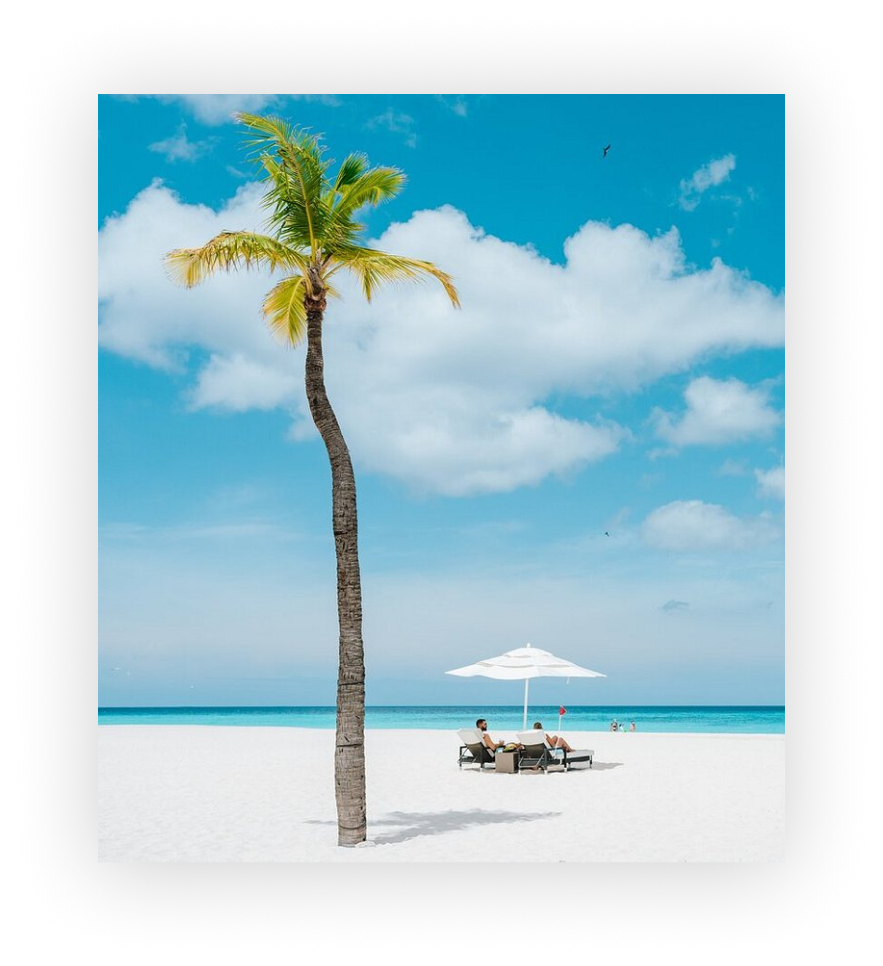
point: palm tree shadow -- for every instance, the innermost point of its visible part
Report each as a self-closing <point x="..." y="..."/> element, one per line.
<point x="419" y="824"/>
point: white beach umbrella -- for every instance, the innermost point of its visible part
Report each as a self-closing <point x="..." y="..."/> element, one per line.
<point x="525" y="663"/>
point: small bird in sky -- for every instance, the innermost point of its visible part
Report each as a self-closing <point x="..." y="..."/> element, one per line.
<point x="605" y="151"/>
<point x="606" y="534"/>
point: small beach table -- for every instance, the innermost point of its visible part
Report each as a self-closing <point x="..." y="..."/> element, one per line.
<point x="506" y="762"/>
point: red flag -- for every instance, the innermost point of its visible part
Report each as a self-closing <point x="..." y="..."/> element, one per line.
<point x="562" y="711"/>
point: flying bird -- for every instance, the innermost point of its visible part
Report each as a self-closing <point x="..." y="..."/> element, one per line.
<point x="606" y="534"/>
<point x="605" y="151"/>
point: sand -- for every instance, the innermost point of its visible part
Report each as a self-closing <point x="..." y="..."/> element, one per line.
<point x="193" y="793"/>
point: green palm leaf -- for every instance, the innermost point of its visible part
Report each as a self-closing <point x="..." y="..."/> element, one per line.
<point x="231" y="250"/>
<point x="374" y="267"/>
<point x="284" y="311"/>
<point x="371" y="188"/>
<point x="312" y="221"/>
<point x="354" y="165"/>
<point x="300" y="191"/>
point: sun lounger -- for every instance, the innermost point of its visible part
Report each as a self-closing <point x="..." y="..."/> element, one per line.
<point x="473" y="750"/>
<point x="536" y="752"/>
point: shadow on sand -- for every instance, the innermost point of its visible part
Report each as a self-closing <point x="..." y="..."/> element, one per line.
<point x="412" y="825"/>
<point x="598" y="766"/>
<point x="582" y="766"/>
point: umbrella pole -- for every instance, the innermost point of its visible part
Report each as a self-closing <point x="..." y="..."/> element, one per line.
<point x="524" y="722"/>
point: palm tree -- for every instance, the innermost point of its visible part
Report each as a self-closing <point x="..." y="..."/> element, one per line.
<point x="313" y="235"/>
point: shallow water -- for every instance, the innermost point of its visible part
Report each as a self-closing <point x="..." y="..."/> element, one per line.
<point x="501" y="718"/>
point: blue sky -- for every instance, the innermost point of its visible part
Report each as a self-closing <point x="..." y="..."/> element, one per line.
<point x="617" y="368"/>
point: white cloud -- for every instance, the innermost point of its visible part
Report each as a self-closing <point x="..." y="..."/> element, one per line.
<point x="396" y="122"/>
<point x="691" y="525"/>
<point x="237" y="383"/>
<point x="718" y="411"/>
<point x="456" y="103"/>
<point x="145" y="316"/>
<point x="731" y="467"/>
<point x="180" y="148"/>
<point x="217" y="108"/>
<point x="474" y="452"/>
<point x="708" y="176"/>
<point x="771" y="483"/>
<point x="448" y="401"/>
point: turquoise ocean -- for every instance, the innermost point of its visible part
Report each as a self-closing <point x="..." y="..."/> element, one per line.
<point x="703" y="719"/>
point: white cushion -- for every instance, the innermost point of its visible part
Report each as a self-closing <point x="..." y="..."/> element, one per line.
<point x="532" y="737"/>
<point x="470" y="736"/>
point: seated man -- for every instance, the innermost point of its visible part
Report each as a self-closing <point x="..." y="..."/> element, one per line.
<point x="481" y="724"/>
<point x="554" y="740"/>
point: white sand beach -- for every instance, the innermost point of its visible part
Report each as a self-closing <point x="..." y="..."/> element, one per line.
<point x="192" y="793"/>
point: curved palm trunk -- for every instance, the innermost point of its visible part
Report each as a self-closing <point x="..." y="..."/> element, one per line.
<point x="349" y="755"/>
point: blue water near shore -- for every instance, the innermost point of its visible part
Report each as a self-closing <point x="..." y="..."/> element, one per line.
<point x="504" y="719"/>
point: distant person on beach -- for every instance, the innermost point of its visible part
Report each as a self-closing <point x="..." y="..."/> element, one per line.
<point x="613" y="725"/>
<point x="554" y="740"/>
<point x="481" y="724"/>
<point x="632" y="727"/>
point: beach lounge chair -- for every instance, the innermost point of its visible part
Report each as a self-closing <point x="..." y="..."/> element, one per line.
<point x="473" y="751"/>
<point x="536" y="752"/>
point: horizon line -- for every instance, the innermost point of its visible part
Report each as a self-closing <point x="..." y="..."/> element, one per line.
<point x="207" y="707"/>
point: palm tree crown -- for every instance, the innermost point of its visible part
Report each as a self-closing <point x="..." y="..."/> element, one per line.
<point x="315" y="231"/>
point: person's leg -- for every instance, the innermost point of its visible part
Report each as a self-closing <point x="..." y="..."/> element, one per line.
<point x="557" y="742"/>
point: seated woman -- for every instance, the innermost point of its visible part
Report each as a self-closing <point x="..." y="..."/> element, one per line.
<point x="554" y="740"/>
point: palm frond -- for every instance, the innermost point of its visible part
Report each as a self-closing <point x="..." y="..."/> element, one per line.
<point x="291" y="219"/>
<point x="231" y="250"/>
<point x="373" y="268"/>
<point x="274" y="135"/>
<point x="352" y="191"/>
<point x="370" y="188"/>
<point x="315" y="233"/>
<point x="296" y="170"/>
<point x="284" y="311"/>
<point x="353" y="167"/>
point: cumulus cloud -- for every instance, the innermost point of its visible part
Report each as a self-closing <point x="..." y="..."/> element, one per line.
<point x="771" y="483"/>
<point x="238" y="383"/>
<point x="144" y="316"/>
<point x="708" y="176"/>
<point x="216" y="108"/>
<point x="180" y="148"/>
<point x="691" y="525"/>
<point x="447" y="401"/>
<point x="718" y="411"/>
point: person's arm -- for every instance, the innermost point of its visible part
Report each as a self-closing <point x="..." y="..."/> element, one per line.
<point x="490" y="741"/>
